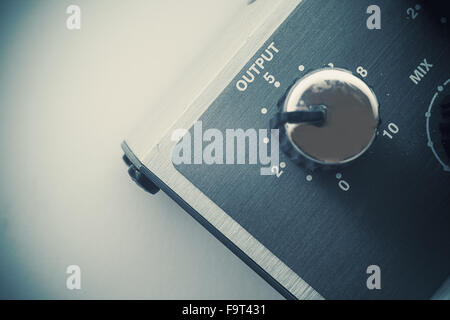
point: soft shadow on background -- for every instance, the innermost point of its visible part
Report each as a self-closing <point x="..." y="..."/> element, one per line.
<point x="67" y="100"/>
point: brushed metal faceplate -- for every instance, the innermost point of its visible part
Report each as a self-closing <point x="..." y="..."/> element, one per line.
<point x="309" y="234"/>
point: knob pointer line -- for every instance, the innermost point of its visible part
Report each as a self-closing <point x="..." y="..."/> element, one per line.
<point x="315" y="114"/>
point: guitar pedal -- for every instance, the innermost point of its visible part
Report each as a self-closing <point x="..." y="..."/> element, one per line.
<point x="356" y="204"/>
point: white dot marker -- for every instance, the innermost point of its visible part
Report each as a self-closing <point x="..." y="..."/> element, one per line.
<point x="338" y="175"/>
<point x="266" y="140"/>
<point x="277" y="84"/>
<point x="301" y="68"/>
<point x="440" y="88"/>
<point x="264" y="110"/>
<point x="331" y="65"/>
<point x="309" y="178"/>
<point x="282" y="165"/>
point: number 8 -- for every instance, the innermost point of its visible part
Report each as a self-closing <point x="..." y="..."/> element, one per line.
<point x="361" y="71"/>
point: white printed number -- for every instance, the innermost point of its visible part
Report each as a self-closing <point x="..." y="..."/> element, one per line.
<point x="276" y="171"/>
<point x="412" y="13"/>
<point x="361" y="71"/>
<point x="392" y="129"/>
<point x="344" y="185"/>
<point x="269" y="78"/>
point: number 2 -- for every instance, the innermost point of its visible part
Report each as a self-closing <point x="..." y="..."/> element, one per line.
<point x="412" y="13"/>
<point x="276" y="170"/>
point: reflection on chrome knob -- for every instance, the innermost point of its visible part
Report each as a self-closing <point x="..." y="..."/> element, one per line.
<point x="329" y="117"/>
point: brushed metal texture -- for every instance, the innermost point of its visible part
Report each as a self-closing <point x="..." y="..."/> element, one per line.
<point x="396" y="213"/>
<point x="309" y="235"/>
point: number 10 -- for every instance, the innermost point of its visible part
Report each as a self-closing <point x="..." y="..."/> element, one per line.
<point x="392" y="129"/>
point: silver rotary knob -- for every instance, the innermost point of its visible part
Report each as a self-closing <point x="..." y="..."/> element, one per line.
<point x="329" y="117"/>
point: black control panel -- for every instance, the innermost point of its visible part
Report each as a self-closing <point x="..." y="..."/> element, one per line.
<point x="385" y="203"/>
